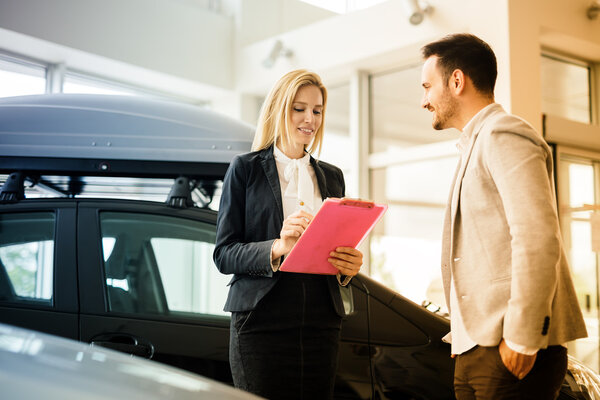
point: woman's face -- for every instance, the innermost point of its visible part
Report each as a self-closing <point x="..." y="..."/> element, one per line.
<point x="306" y="115"/>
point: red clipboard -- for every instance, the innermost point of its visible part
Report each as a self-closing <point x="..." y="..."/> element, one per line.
<point x="339" y="222"/>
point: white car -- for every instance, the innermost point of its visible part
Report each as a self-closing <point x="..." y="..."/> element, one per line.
<point x="35" y="365"/>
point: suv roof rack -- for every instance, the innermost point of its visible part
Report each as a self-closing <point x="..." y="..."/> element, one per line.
<point x="13" y="189"/>
<point x="116" y="135"/>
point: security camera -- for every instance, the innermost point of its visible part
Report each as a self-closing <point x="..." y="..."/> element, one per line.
<point x="593" y="10"/>
<point x="276" y="51"/>
<point x="416" y="11"/>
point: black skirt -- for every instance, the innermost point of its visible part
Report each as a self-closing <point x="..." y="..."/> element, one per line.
<point x="286" y="348"/>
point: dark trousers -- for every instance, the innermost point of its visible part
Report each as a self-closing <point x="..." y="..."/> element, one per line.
<point x="480" y="374"/>
<point x="286" y="348"/>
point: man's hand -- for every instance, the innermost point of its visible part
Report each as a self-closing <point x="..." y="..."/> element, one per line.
<point x="517" y="363"/>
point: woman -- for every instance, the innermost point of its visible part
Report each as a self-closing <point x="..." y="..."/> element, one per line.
<point x="284" y="326"/>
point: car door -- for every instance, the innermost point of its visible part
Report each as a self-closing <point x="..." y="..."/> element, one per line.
<point x="38" y="286"/>
<point x="406" y="357"/>
<point x="390" y="347"/>
<point x="148" y="285"/>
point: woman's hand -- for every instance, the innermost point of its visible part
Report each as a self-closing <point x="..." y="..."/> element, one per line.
<point x="293" y="227"/>
<point x="347" y="259"/>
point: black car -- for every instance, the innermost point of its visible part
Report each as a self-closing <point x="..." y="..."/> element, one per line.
<point x="81" y="256"/>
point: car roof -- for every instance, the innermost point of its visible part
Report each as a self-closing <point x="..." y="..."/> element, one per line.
<point x="117" y="135"/>
<point x="118" y="127"/>
<point x="56" y="140"/>
<point x="36" y="365"/>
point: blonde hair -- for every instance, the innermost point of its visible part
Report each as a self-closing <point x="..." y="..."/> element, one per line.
<point x="274" y="120"/>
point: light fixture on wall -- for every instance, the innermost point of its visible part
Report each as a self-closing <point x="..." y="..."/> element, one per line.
<point x="276" y="51"/>
<point x="593" y="10"/>
<point x="416" y="10"/>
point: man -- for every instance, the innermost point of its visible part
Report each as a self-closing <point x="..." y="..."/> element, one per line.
<point x="506" y="278"/>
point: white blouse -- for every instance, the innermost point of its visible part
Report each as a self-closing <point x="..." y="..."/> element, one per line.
<point x="298" y="183"/>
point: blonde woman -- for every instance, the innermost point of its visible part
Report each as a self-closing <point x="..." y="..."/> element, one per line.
<point x="284" y="326"/>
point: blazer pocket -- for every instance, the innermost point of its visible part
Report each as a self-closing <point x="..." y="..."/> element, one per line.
<point x="234" y="280"/>
<point x="240" y="319"/>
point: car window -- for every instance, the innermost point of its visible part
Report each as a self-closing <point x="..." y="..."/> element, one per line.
<point x="157" y="264"/>
<point x="27" y="257"/>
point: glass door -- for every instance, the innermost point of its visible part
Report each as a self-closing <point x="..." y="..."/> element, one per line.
<point x="579" y="203"/>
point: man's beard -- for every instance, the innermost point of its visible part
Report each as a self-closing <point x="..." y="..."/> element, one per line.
<point x="445" y="112"/>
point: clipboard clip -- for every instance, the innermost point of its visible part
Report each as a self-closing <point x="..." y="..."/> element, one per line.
<point x="357" y="203"/>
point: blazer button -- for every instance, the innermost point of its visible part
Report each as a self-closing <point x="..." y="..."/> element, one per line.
<point x="546" y="326"/>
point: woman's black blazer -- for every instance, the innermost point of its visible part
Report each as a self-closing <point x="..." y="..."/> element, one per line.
<point x="250" y="219"/>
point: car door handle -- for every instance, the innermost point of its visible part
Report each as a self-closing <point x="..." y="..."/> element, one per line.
<point x="125" y="343"/>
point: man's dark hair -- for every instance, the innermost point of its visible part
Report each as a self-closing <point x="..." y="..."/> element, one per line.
<point x="474" y="57"/>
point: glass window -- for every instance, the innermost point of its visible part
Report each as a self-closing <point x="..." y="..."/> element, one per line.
<point x="27" y="256"/>
<point x="566" y="88"/>
<point x="344" y="6"/>
<point x="336" y="140"/>
<point x="578" y="192"/>
<point x="397" y="119"/>
<point x="161" y="265"/>
<point x="81" y="84"/>
<point x="411" y="169"/>
<point x="19" y="77"/>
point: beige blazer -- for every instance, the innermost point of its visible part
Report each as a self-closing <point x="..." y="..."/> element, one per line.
<point x="501" y="239"/>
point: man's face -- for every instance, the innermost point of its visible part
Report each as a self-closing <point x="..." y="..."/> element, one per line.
<point x="437" y="97"/>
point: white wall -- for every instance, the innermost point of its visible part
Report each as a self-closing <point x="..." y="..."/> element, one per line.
<point x="264" y="19"/>
<point x="178" y="44"/>
<point x="372" y="39"/>
<point x="380" y="38"/>
<point x="168" y="45"/>
<point x="171" y="37"/>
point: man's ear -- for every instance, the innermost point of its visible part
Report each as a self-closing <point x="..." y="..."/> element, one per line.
<point x="457" y="81"/>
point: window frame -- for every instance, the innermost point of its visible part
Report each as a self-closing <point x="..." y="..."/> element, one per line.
<point x="592" y="78"/>
<point x="15" y="63"/>
<point x="56" y="74"/>
<point x="64" y="293"/>
<point x="92" y="278"/>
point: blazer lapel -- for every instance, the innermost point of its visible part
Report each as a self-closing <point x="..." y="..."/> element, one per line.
<point x="321" y="181"/>
<point x="476" y="128"/>
<point x="458" y="186"/>
<point x="451" y="212"/>
<point x="460" y="173"/>
<point x="454" y="202"/>
<point x="447" y="237"/>
<point x="270" y="168"/>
